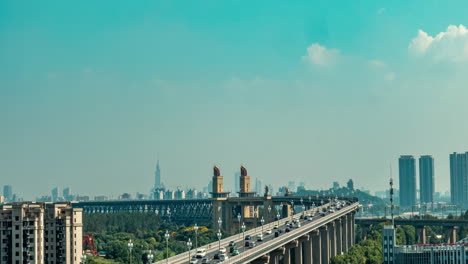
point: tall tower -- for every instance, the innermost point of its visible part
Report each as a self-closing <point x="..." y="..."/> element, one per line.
<point x="157" y="177"/>
<point x="407" y="176"/>
<point x="218" y="185"/>
<point x="426" y="179"/>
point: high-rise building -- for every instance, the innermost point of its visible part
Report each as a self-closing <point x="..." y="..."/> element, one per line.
<point x="157" y="177"/>
<point x="39" y="233"/>
<point x="388" y="244"/>
<point x="459" y="179"/>
<point x="7" y="192"/>
<point x="67" y="194"/>
<point x="56" y="194"/>
<point x="426" y="179"/>
<point x="236" y="181"/>
<point x="407" y="173"/>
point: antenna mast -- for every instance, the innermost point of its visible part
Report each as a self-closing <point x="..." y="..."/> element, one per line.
<point x="391" y="196"/>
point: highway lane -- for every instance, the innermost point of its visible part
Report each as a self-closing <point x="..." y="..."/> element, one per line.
<point x="240" y="242"/>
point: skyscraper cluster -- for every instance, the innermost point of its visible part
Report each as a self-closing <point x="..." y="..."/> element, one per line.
<point x="407" y="177"/>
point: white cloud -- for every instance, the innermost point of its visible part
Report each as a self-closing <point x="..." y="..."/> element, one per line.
<point x="390" y="76"/>
<point x="377" y="63"/>
<point x="380" y="11"/>
<point x="320" y="55"/>
<point x="450" y="45"/>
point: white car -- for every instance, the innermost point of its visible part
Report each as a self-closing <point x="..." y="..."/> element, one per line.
<point x="260" y="237"/>
<point x="201" y="252"/>
<point x="223" y="257"/>
<point x="275" y="227"/>
<point x="194" y="260"/>
<point x="268" y="232"/>
<point x="222" y="250"/>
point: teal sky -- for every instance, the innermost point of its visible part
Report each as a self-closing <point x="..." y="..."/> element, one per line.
<point x="94" y="92"/>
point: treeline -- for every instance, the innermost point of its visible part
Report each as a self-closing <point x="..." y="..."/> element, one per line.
<point x="112" y="233"/>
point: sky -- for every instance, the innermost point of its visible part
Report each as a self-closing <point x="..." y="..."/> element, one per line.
<point x="93" y="93"/>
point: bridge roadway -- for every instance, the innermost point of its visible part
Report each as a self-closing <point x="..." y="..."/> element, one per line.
<point x="332" y="228"/>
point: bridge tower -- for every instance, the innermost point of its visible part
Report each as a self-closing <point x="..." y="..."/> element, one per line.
<point x="219" y="197"/>
<point x="247" y="211"/>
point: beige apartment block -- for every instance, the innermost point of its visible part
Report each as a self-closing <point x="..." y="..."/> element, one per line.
<point x="40" y="233"/>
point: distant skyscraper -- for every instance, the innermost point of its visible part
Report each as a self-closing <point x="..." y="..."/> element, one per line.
<point x="7" y="192"/>
<point x="459" y="178"/>
<point x="236" y="181"/>
<point x="67" y="194"/>
<point x="55" y="194"/>
<point x="258" y="186"/>
<point x="426" y="179"/>
<point x="407" y="169"/>
<point x="157" y="177"/>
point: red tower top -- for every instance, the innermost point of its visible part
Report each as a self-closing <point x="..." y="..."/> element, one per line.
<point x="216" y="171"/>
<point x="243" y="171"/>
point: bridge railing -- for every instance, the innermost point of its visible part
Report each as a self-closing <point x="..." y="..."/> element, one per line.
<point x="252" y="254"/>
<point x="184" y="257"/>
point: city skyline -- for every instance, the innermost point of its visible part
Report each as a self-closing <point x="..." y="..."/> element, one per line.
<point x="92" y="97"/>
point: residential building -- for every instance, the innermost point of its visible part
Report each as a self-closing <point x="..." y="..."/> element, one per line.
<point x="407" y="177"/>
<point x="459" y="179"/>
<point x="388" y="244"/>
<point x="432" y="254"/>
<point x="40" y="233"/>
<point x="426" y="179"/>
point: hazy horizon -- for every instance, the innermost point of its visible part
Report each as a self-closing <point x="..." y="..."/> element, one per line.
<point x="93" y="93"/>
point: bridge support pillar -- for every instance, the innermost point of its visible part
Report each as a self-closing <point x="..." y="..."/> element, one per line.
<point x="316" y="247"/>
<point x="344" y="235"/>
<point x="339" y="238"/>
<point x="298" y="254"/>
<point x="421" y="234"/>
<point x="275" y="255"/>
<point x="308" y="251"/>
<point x="325" y="245"/>
<point x="332" y="237"/>
<point x="287" y="256"/>
<point x="453" y="234"/>
<point x="351" y="234"/>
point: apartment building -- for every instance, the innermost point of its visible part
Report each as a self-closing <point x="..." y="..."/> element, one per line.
<point x="40" y="233"/>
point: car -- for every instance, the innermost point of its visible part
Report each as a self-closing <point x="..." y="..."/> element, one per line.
<point x="222" y="250"/>
<point x="205" y="261"/>
<point x="216" y="256"/>
<point x="275" y="227"/>
<point x="248" y="237"/>
<point x="260" y="237"/>
<point x="277" y="234"/>
<point x="231" y="249"/>
<point x="232" y="243"/>
<point x="268" y="232"/>
<point x="223" y="257"/>
<point x="201" y="252"/>
<point x="287" y="230"/>
<point x="194" y="260"/>
<point x="235" y="252"/>
<point x="302" y="217"/>
<point x="287" y="222"/>
<point x="249" y="244"/>
<point x="297" y="225"/>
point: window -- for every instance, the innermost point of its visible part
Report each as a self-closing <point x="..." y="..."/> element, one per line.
<point x="17" y="253"/>
<point x="16" y="227"/>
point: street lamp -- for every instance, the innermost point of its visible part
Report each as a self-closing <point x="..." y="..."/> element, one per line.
<point x="130" y="247"/>
<point x="150" y="257"/>
<point x="238" y="219"/>
<point x="195" y="228"/>
<point x="292" y="210"/>
<point x="262" y="221"/>
<point x="83" y="258"/>
<point x="189" y="246"/>
<point x="219" y="234"/>
<point x="219" y="222"/>
<point x="166" y="236"/>
<point x="278" y="217"/>
<point x="303" y="209"/>
<point x="243" y="232"/>
<point x="269" y="218"/>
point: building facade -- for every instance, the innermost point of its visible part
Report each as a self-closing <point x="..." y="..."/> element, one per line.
<point x="407" y="177"/>
<point x="432" y="254"/>
<point x="388" y="244"/>
<point x="459" y="179"/>
<point x="40" y="233"/>
<point x="426" y="179"/>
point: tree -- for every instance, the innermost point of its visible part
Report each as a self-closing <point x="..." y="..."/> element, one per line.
<point x="350" y="185"/>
